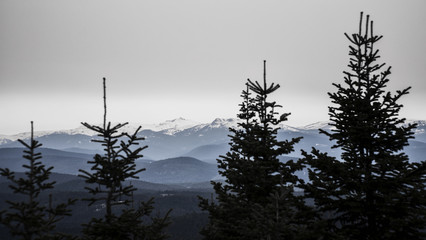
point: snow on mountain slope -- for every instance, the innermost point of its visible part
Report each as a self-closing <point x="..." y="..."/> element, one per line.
<point x="171" y="127"/>
<point x="317" y="125"/>
<point x="181" y="137"/>
<point x="181" y="125"/>
<point x="421" y="126"/>
<point x="224" y="123"/>
<point x="24" y="135"/>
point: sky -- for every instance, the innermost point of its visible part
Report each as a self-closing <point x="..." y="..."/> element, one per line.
<point x="165" y="59"/>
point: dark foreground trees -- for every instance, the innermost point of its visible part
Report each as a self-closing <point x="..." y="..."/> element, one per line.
<point x="106" y="182"/>
<point x="256" y="201"/>
<point x="30" y="219"/>
<point x="373" y="191"/>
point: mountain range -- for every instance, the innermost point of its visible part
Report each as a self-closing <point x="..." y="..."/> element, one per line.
<point x="179" y="151"/>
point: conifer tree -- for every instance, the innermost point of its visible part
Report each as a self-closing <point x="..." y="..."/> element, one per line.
<point x="106" y="184"/>
<point x="253" y="173"/>
<point x="373" y="191"/>
<point x="31" y="219"/>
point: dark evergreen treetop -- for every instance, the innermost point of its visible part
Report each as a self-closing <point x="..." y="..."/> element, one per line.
<point x="255" y="147"/>
<point x="111" y="170"/>
<point x="364" y="105"/>
<point x="254" y="174"/>
<point x="373" y="191"/>
<point x="106" y="183"/>
<point x="30" y="219"/>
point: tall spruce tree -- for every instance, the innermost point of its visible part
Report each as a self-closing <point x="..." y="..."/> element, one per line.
<point x="257" y="184"/>
<point x="31" y="218"/>
<point x="373" y="191"/>
<point x="106" y="182"/>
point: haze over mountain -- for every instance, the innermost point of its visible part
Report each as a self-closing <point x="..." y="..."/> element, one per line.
<point x="204" y="141"/>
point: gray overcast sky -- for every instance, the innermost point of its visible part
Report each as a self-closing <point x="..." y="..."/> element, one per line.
<point x="168" y="59"/>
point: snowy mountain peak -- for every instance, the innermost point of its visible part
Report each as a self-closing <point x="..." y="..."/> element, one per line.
<point x="173" y="126"/>
<point x="129" y="128"/>
<point x="420" y="123"/>
<point x="179" y="119"/>
<point x="178" y="122"/>
<point x="421" y="126"/>
<point x="24" y="135"/>
<point x="224" y="123"/>
<point x="317" y="125"/>
<point x="288" y="128"/>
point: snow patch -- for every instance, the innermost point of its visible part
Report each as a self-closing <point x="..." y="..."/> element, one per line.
<point x="317" y="125"/>
<point x="174" y="126"/>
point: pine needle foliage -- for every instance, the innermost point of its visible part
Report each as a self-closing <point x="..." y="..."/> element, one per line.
<point x="373" y="191"/>
<point x="31" y="219"/>
<point x="106" y="182"/>
<point x="254" y="174"/>
<point x="109" y="171"/>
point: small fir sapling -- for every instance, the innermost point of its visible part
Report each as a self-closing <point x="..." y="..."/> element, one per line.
<point x="106" y="183"/>
<point x="30" y="218"/>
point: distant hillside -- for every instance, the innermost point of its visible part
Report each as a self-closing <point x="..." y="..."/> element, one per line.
<point x="179" y="170"/>
<point x="62" y="161"/>
<point x="209" y="153"/>
<point x="73" y="183"/>
<point x="170" y="171"/>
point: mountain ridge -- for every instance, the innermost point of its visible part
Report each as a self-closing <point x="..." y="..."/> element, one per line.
<point x="173" y="126"/>
<point x="181" y="137"/>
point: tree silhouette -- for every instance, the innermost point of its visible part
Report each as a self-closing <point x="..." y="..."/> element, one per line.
<point x="30" y="219"/>
<point x="253" y="173"/>
<point x="106" y="184"/>
<point x="373" y="191"/>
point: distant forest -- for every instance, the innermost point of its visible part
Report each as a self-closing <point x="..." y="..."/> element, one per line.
<point x="372" y="191"/>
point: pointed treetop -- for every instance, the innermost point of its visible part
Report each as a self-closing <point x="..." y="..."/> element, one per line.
<point x="32" y="131"/>
<point x="264" y="74"/>
<point x="105" y="107"/>
<point x="257" y="88"/>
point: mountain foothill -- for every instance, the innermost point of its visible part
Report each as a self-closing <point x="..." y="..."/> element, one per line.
<point x="179" y="151"/>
